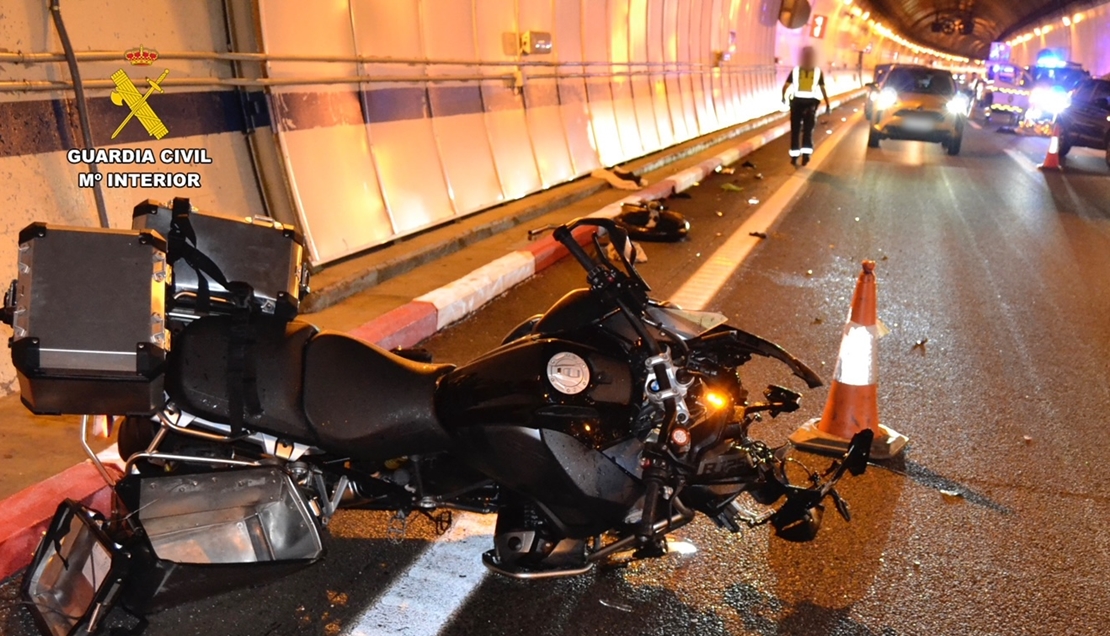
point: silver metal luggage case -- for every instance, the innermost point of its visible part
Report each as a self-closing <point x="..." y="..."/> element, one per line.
<point x="258" y="251"/>
<point x="88" y="323"/>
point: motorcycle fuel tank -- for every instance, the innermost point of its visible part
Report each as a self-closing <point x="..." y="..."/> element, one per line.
<point x="535" y="414"/>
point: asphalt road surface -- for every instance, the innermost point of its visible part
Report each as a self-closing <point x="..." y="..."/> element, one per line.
<point x="996" y="521"/>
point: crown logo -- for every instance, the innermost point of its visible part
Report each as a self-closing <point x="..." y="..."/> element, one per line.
<point x="141" y="56"/>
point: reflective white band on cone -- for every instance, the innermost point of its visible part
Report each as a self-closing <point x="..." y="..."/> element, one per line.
<point x="858" y="362"/>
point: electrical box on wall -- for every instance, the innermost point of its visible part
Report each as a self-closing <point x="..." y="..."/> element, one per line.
<point x="535" y="43"/>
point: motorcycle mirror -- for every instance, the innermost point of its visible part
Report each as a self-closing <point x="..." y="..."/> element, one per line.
<point x="800" y="524"/>
<point x="859" y="452"/>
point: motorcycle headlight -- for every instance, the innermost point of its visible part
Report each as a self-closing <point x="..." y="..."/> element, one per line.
<point x="1049" y="100"/>
<point x="959" y="104"/>
<point x="887" y="98"/>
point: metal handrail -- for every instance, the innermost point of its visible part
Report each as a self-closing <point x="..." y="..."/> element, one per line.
<point x="20" y="57"/>
<point x="259" y="82"/>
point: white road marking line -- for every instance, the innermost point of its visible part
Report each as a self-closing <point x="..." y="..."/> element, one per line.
<point x="699" y="290"/>
<point x="974" y="124"/>
<point x="1023" y="161"/>
<point x="426" y="596"/>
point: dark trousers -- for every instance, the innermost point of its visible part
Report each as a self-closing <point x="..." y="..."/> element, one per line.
<point x="803" y="117"/>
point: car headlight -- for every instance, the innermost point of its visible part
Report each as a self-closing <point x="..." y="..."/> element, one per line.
<point x="959" y="104"/>
<point x="887" y="98"/>
<point x="1049" y="100"/>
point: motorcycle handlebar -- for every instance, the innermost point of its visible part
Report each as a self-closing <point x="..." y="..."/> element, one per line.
<point x="617" y="236"/>
<point x="564" y="235"/>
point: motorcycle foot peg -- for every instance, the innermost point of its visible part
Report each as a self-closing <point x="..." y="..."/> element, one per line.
<point x="651" y="549"/>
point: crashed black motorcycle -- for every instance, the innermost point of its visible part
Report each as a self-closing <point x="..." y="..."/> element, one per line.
<point x="594" y="430"/>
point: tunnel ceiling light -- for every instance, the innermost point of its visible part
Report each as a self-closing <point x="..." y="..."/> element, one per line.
<point x="1077" y="18"/>
<point x="1066" y="21"/>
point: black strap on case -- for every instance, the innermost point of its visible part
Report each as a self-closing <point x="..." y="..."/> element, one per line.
<point x="183" y="245"/>
<point x="242" y="378"/>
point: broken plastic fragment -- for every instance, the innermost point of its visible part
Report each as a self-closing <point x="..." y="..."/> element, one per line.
<point x="617" y="606"/>
<point x="753" y="201"/>
<point x="881" y="328"/>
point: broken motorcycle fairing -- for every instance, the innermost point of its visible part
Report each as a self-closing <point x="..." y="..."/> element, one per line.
<point x="595" y="430"/>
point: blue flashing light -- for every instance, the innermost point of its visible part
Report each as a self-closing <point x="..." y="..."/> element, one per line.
<point x="1051" y="60"/>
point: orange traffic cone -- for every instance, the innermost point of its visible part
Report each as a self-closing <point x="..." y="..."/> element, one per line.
<point x="853" y="403"/>
<point x="1052" y="158"/>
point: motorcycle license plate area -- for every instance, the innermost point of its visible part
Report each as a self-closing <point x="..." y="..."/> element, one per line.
<point x="76" y="569"/>
<point x="207" y="533"/>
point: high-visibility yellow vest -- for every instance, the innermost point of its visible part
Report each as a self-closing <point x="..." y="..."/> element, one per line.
<point x="805" y="83"/>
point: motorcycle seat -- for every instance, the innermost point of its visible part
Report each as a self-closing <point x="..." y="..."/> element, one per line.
<point x="368" y="403"/>
<point x="197" y="373"/>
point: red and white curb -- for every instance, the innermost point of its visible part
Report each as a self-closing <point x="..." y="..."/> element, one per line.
<point x="27" y="512"/>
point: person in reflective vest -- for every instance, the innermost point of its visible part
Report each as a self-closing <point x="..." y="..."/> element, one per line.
<point x="804" y="88"/>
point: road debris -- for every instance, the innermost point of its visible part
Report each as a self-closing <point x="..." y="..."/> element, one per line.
<point x="619" y="179"/>
<point x="1027" y="439"/>
<point x="724" y="170"/>
<point x="748" y="164"/>
<point x="753" y="201"/>
<point x="731" y="187"/>
<point x="809" y="272"/>
<point x="951" y="493"/>
<point x="920" y="345"/>
<point x="761" y="235"/>
<point x="617" y="606"/>
<point x="759" y="175"/>
<point x="719" y="213"/>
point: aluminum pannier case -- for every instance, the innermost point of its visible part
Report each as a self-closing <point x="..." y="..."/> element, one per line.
<point x="88" y="322"/>
<point x="266" y="255"/>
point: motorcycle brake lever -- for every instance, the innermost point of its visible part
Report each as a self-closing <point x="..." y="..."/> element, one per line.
<point x="533" y="233"/>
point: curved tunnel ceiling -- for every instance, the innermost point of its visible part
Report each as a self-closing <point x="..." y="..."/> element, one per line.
<point x="991" y="18"/>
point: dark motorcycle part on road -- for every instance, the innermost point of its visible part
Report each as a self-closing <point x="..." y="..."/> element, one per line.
<point x="651" y="221"/>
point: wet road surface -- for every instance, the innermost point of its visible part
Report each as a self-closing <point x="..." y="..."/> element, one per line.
<point x="994" y="522"/>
